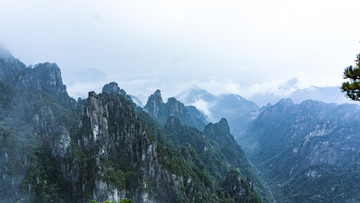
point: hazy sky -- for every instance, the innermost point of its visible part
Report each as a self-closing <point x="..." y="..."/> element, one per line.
<point x="226" y="46"/>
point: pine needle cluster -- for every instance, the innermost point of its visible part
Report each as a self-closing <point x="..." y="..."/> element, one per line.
<point x="352" y="87"/>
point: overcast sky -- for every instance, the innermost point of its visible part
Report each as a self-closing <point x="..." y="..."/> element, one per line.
<point x="225" y="46"/>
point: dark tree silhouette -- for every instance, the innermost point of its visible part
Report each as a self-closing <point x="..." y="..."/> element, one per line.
<point x="352" y="73"/>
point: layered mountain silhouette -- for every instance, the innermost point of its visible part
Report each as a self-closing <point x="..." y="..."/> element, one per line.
<point x="106" y="148"/>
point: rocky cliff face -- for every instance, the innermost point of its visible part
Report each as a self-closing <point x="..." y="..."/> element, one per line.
<point x="238" y="189"/>
<point x="48" y="153"/>
<point x="308" y="151"/>
<point x="155" y="105"/>
<point x="44" y="77"/>
<point x="118" y="146"/>
<point x="33" y="129"/>
<point x="161" y="111"/>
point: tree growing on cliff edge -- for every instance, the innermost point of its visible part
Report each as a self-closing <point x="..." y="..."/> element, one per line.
<point x="352" y="87"/>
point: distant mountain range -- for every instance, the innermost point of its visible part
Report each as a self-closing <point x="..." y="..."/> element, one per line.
<point x="239" y="111"/>
<point x="323" y="94"/>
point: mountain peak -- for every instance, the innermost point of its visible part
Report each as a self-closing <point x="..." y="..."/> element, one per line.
<point x="111" y="87"/>
<point x="224" y="123"/>
<point x="172" y="100"/>
<point x="222" y="127"/>
<point x="154" y="104"/>
<point x="156" y="96"/>
<point x="50" y="79"/>
<point x="5" y="54"/>
<point x="157" y="93"/>
<point x="162" y="111"/>
<point x="92" y="94"/>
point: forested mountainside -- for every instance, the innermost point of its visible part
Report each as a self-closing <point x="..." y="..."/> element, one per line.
<point x="308" y="152"/>
<point x="54" y="148"/>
